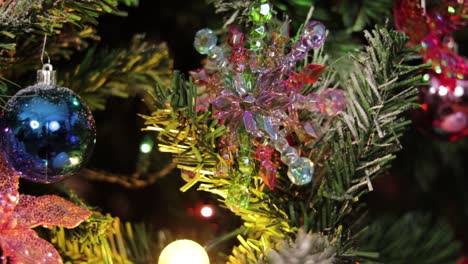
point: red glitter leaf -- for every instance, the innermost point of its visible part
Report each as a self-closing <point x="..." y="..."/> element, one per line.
<point x="48" y="210"/>
<point x="9" y="181"/>
<point x="25" y="246"/>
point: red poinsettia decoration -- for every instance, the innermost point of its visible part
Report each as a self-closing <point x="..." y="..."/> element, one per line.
<point x="20" y="213"/>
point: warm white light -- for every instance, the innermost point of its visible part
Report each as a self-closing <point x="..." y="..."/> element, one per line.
<point x="74" y="160"/>
<point x="183" y="251"/>
<point x="459" y="91"/>
<point x="443" y="91"/>
<point x="207" y="211"/>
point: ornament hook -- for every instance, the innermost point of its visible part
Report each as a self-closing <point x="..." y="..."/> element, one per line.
<point x="44" y="51"/>
<point x="46" y="75"/>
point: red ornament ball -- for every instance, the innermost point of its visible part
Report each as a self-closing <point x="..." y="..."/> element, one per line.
<point x="444" y="108"/>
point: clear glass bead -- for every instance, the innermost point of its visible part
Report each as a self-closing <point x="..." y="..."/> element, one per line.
<point x="205" y="40"/>
<point x="301" y="172"/>
<point x="280" y="144"/>
<point x="289" y="155"/>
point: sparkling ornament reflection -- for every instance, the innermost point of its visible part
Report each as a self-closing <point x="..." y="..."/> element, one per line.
<point x="47" y="133"/>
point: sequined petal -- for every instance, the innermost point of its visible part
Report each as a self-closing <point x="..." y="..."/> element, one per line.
<point x="25" y="246"/>
<point x="48" y="210"/>
<point x="8" y="188"/>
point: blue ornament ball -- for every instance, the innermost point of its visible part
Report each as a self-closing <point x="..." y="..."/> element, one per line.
<point x="47" y="133"/>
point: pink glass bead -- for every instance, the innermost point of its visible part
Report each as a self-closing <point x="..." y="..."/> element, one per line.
<point x="199" y="76"/>
<point x="239" y="58"/>
<point x="263" y="153"/>
<point x="236" y="37"/>
<point x="314" y="35"/>
<point x="331" y="102"/>
<point x="311" y="102"/>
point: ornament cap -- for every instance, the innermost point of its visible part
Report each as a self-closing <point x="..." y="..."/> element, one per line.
<point x="46" y="75"/>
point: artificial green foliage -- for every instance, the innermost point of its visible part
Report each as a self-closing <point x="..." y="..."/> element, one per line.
<point x="49" y="16"/>
<point x="120" y="72"/>
<point x="38" y="17"/>
<point x="191" y="136"/>
<point x="410" y="238"/>
<point x="24" y="23"/>
<point x="357" y="15"/>
<point x="104" y="239"/>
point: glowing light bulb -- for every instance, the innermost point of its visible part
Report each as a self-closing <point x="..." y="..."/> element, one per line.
<point x="34" y="124"/>
<point x="207" y="211"/>
<point x="183" y="251"/>
<point x="145" y="148"/>
<point x="54" y="126"/>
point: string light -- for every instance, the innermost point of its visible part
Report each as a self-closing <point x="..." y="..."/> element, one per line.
<point x="145" y="148"/>
<point x="183" y="251"/>
<point x="207" y="211"/>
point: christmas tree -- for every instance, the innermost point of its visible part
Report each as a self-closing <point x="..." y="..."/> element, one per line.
<point x="281" y="131"/>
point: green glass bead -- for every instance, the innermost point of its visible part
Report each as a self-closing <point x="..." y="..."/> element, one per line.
<point x="238" y="197"/>
<point x="260" y="12"/>
<point x="258" y="32"/>
<point x="245" y="165"/>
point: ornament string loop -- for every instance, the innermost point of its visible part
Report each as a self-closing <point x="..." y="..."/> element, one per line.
<point x="46" y="75"/>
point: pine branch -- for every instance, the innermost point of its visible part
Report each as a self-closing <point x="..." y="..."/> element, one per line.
<point x="104" y="239"/>
<point x="23" y="24"/>
<point x="49" y="16"/>
<point x="411" y="238"/>
<point x="356" y="15"/>
<point x="380" y="88"/>
<point x="120" y="72"/>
